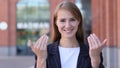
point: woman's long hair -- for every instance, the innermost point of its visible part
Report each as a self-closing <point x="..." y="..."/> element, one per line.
<point x="71" y="7"/>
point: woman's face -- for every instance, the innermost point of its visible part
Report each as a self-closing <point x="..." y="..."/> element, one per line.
<point x="67" y="24"/>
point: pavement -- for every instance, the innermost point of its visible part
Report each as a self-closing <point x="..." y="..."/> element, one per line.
<point x="110" y="55"/>
<point x="17" y="62"/>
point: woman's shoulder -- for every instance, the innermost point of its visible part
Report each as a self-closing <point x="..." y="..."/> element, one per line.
<point x="84" y="46"/>
<point x="52" y="47"/>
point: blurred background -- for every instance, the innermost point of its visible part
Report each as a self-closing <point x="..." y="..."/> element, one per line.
<point x="21" y="20"/>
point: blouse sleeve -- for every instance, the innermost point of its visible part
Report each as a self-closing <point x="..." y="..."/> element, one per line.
<point x="101" y="63"/>
<point x="35" y="61"/>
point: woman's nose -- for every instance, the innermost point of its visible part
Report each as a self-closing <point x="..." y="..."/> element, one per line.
<point x="68" y="24"/>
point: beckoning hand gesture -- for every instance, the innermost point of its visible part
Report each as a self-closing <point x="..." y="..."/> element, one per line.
<point x="95" y="48"/>
<point x="40" y="47"/>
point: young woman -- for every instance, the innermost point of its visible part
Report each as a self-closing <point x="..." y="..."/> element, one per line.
<point x="67" y="49"/>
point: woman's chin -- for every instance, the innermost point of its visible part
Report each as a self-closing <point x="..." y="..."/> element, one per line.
<point x="69" y="36"/>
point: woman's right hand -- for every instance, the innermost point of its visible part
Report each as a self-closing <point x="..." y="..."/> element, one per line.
<point x="40" y="47"/>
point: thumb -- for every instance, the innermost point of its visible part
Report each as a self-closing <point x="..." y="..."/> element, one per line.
<point x="30" y="44"/>
<point x="104" y="43"/>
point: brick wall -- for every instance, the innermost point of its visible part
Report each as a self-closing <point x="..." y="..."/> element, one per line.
<point x="4" y="17"/>
<point x="8" y="14"/>
<point x="105" y="20"/>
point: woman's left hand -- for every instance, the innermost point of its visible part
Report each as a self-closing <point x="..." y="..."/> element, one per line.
<point x="95" y="48"/>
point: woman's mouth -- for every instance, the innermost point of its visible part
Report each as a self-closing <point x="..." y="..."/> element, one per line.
<point x="68" y="31"/>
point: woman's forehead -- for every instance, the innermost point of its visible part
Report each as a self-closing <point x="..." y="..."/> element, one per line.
<point x="64" y="13"/>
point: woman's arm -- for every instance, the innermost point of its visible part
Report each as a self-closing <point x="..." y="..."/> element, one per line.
<point x="98" y="63"/>
<point x="41" y="63"/>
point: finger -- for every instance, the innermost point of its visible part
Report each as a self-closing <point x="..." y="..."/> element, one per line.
<point x="94" y="43"/>
<point x="89" y="41"/>
<point x="38" y="43"/>
<point x="104" y="43"/>
<point x="97" y="39"/>
<point x="45" y="43"/>
<point x="30" y="44"/>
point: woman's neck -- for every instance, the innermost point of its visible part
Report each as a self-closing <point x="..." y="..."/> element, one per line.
<point x="69" y="43"/>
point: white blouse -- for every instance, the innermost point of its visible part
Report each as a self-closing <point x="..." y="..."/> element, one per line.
<point x="69" y="57"/>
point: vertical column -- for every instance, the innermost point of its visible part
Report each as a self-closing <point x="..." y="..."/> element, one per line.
<point x="3" y="18"/>
<point x="113" y="22"/>
<point x="95" y="17"/>
<point x="102" y="20"/>
<point x="118" y="22"/>
<point x="4" y="42"/>
<point x="12" y="20"/>
<point x="8" y="36"/>
<point x="112" y="17"/>
<point x="107" y="50"/>
<point x="98" y="18"/>
<point x="12" y="26"/>
<point x="118" y="30"/>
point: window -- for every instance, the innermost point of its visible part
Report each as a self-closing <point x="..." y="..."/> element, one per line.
<point x="32" y="21"/>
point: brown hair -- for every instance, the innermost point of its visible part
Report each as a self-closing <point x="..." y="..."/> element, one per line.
<point x="71" y="7"/>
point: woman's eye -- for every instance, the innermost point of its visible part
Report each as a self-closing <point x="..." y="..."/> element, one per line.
<point x="62" y="20"/>
<point x="72" y="19"/>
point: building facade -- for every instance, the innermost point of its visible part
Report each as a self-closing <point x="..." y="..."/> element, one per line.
<point x="103" y="19"/>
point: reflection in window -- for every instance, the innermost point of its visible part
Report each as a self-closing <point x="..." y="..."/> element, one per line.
<point x="32" y="21"/>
